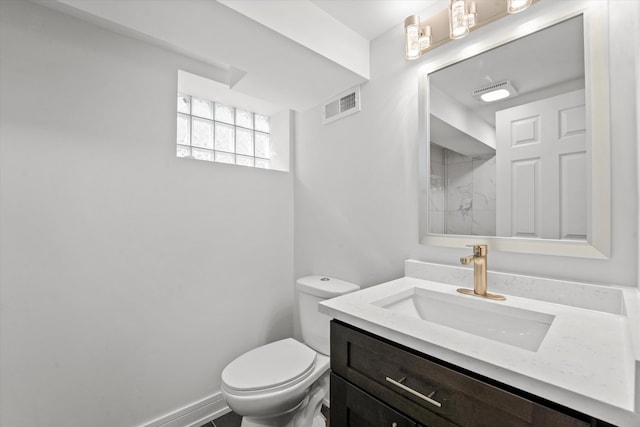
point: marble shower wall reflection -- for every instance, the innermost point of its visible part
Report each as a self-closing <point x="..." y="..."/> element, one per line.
<point x="463" y="193"/>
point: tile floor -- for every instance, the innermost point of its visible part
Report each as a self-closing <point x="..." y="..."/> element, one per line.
<point x="233" y="420"/>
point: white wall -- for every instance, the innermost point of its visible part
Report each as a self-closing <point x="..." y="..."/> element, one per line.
<point x="129" y="277"/>
<point x="356" y="192"/>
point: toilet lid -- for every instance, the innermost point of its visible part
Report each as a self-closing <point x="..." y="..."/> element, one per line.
<point x="269" y="366"/>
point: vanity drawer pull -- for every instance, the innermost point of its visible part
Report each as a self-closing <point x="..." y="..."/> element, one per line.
<point x="415" y="393"/>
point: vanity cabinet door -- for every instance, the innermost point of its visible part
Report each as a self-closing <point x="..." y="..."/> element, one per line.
<point x="431" y="392"/>
<point x="351" y="407"/>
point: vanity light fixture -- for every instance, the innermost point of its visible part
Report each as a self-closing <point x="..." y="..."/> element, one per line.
<point x="495" y="91"/>
<point x="515" y="6"/>
<point x="459" y="18"/>
<point x="417" y="37"/>
<point x="472" y="16"/>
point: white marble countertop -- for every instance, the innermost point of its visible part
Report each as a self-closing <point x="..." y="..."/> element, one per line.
<point x="587" y="360"/>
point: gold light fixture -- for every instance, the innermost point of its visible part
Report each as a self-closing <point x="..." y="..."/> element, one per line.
<point x="455" y="22"/>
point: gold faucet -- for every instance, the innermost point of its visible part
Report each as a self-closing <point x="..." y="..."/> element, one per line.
<point x="479" y="260"/>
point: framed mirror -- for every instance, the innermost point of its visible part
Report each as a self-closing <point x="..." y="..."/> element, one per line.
<point x="530" y="171"/>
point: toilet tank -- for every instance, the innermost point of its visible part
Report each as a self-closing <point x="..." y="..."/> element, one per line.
<point x="315" y="325"/>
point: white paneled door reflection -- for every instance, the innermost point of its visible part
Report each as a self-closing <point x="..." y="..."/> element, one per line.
<point x="542" y="169"/>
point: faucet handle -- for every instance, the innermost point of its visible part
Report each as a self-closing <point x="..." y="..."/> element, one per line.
<point x="479" y="249"/>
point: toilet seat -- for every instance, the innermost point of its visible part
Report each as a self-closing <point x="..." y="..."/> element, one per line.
<point x="272" y="366"/>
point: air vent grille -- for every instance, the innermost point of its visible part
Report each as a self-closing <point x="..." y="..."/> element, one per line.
<point x="490" y="88"/>
<point x="348" y="102"/>
<point x="340" y="106"/>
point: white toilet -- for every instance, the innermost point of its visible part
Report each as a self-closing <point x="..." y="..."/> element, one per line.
<point x="284" y="383"/>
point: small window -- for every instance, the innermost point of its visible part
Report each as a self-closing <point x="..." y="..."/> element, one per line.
<point x="214" y="132"/>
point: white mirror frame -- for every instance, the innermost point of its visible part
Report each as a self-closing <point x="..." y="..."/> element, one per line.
<point x="541" y="15"/>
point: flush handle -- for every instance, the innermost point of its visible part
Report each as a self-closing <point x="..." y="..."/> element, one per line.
<point x="415" y="393"/>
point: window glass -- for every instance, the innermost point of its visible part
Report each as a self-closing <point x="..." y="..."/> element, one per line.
<point x="262" y="123"/>
<point x="245" y="160"/>
<point x="224" y="114"/>
<point x="244" y="118"/>
<point x="184" y="104"/>
<point x="262" y="145"/>
<point x="202" y="133"/>
<point x="184" y="130"/>
<point x="214" y="132"/>
<point x="244" y="141"/>
<point x="225" y="157"/>
<point x="225" y="136"/>
<point x="183" y="151"/>
<point x="202" y="154"/>
<point x="202" y="108"/>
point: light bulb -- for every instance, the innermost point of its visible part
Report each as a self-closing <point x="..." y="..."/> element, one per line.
<point x="412" y="37"/>
<point x="515" y="6"/>
<point x="495" y="95"/>
<point x="458" y="19"/>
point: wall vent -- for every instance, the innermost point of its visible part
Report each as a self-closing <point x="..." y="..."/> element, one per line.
<point x="342" y="105"/>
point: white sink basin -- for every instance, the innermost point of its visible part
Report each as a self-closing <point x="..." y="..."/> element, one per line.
<point x="493" y="320"/>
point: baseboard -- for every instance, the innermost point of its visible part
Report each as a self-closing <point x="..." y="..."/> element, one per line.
<point x="194" y="414"/>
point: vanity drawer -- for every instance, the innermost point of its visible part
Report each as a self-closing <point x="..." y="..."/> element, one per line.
<point x="429" y="392"/>
<point x="355" y="408"/>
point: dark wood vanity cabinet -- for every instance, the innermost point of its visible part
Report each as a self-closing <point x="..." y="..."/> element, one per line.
<point x="351" y="406"/>
<point x="375" y="382"/>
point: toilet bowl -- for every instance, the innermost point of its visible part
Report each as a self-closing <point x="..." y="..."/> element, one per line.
<point x="284" y="383"/>
<point x="262" y="387"/>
